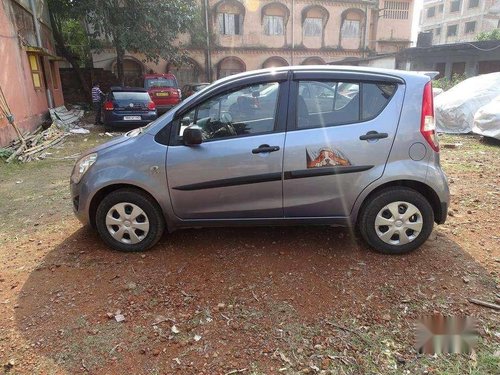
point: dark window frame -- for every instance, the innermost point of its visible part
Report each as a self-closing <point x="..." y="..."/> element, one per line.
<point x="455" y="6"/>
<point x="431" y="12"/>
<point x="468" y="29"/>
<point x="449" y="27"/>
<point x="473" y="4"/>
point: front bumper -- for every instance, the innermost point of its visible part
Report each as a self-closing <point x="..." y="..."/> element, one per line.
<point x="79" y="202"/>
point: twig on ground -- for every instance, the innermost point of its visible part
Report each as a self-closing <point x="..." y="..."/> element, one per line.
<point x="342" y="328"/>
<point x="255" y="296"/>
<point x="484" y="303"/>
<point x="84" y="366"/>
<point x="236" y="371"/>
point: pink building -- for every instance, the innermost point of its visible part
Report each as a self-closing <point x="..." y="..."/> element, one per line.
<point x="252" y="34"/>
<point x="29" y="74"/>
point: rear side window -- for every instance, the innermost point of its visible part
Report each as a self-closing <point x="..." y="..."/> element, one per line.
<point x="128" y="95"/>
<point x="331" y="103"/>
<point x="150" y="83"/>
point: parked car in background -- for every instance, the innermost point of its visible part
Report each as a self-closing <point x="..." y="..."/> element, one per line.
<point x="190" y="88"/>
<point x="128" y="107"/>
<point x="164" y="90"/>
<point x="315" y="145"/>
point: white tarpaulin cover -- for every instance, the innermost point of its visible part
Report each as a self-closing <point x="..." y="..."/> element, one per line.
<point x="487" y="119"/>
<point x="456" y="107"/>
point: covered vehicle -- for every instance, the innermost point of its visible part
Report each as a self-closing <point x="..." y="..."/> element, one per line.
<point x="455" y="108"/>
<point x="487" y="119"/>
<point x="128" y="107"/>
<point x="163" y="89"/>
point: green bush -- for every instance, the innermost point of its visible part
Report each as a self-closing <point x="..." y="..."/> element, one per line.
<point x="446" y="84"/>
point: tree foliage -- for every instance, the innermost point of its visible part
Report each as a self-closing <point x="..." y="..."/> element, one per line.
<point x="146" y="27"/>
<point x="489" y="35"/>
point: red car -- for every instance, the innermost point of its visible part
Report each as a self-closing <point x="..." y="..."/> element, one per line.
<point x="163" y="90"/>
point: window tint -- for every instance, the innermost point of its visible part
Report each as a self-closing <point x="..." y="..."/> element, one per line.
<point x="375" y="98"/>
<point x="250" y="110"/>
<point x="159" y="82"/>
<point x="322" y="104"/>
<point x="127" y="95"/>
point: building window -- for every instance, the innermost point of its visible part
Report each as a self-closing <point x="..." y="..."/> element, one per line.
<point x="441" y="8"/>
<point x="397" y="10"/>
<point x="313" y="26"/>
<point x="35" y="70"/>
<point x="473" y="3"/>
<point x="431" y="12"/>
<point x="351" y="29"/>
<point x="229" y="24"/>
<point x="438" y="31"/>
<point x="470" y="27"/>
<point x="452" y="30"/>
<point x="273" y="25"/>
<point x="455" y="6"/>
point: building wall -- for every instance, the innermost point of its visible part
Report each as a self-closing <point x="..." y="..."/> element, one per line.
<point x="28" y="104"/>
<point x="377" y="31"/>
<point x="444" y="18"/>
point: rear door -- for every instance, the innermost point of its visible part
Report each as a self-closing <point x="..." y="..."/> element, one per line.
<point x="236" y="173"/>
<point x="339" y="139"/>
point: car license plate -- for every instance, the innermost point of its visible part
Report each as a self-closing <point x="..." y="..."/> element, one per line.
<point x="132" y="118"/>
<point x="162" y="94"/>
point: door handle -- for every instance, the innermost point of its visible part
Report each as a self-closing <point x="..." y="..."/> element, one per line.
<point x="265" y="149"/>
<point x="373" y="135"/>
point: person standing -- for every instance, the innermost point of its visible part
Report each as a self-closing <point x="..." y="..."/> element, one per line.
<point x="97" y="96"/>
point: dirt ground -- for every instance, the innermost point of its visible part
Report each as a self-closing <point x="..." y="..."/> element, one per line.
<point x="240" y="301"/>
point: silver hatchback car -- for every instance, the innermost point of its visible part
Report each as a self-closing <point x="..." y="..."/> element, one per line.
<point x="294" y="145"/>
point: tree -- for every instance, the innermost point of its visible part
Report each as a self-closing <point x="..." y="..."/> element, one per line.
<point x="68" y="32"/>
<point x="148" y="27"/>
<point x="489" y="35"/>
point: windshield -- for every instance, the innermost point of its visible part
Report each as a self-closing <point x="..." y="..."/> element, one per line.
<point x="159" y="82"/>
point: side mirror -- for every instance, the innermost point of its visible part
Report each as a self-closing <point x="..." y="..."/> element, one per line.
<point x="192" y="136"/>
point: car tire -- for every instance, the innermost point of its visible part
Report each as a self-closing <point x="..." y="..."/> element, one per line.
<point x="396" y="220"/>
<point x="129" y="220"/>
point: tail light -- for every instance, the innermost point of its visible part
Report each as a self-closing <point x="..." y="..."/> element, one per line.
<point x="151" y="106"/>
<point x="428" y="122"/>
<point x="109" y="106"/>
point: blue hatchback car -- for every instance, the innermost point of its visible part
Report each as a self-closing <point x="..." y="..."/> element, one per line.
<point x="128" y="107"/>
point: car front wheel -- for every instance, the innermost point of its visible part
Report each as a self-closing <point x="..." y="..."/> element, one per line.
<point x="396" y="220"/>
<point x="129" y="220"/>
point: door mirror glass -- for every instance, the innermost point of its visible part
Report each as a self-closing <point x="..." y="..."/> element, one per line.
<point x="192" y="136"/>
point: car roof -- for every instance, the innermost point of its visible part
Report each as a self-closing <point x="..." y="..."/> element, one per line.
<point x="127" y="89"/>
<point x="403" y="74"/>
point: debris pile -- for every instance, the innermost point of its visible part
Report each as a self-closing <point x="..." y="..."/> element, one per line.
<point x="32" y="146"/>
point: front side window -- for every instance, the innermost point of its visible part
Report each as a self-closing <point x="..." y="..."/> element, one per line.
<point x="313" y="26"/>
<point x="251" y="110"/>
<point x="273" y="25"/>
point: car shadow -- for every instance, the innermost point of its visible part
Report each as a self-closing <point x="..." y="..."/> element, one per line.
<point x="247" y="282"/>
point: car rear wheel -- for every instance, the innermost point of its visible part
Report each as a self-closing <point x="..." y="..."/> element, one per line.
<point x="396" y="220"/>
<point x="129" y="220"/>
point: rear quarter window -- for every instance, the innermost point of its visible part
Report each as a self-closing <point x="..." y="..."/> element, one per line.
<point x="375" y="98"/>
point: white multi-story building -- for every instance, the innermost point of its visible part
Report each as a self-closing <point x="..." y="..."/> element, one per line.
<point x="454" y="21"/>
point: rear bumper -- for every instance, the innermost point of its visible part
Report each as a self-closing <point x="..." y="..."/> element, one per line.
<point x="444" y="214"/>
<point x="164" y="107"/>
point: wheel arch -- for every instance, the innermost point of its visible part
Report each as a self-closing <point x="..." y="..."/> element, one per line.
<point x="418" y="186"/>
<point x="106" y="190"/>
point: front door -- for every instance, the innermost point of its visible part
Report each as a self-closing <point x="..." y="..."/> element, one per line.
<point x="339" y="142"/>
<point x="236" y="172"/>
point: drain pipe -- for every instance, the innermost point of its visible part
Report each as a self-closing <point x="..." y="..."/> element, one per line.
<point x="37" y="26"/>
<point x="209" y="54"/>
<point x="293" y="32"/>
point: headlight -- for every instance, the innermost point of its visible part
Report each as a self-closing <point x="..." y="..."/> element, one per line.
<point x="82" y="166"/>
